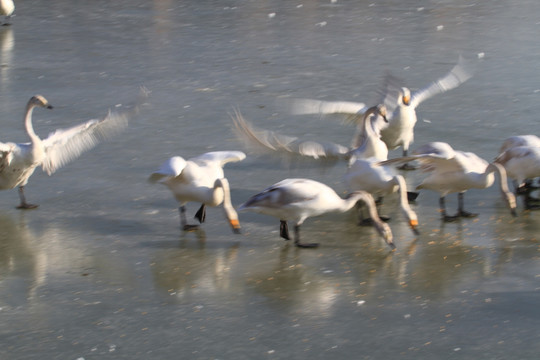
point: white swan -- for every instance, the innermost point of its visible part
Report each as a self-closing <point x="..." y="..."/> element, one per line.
<point x="268" y="141"/>
<point x="6" y="9"/>
<point x="454" y="171"/>
<point x="200" y="179"/>
<point x="298" y="199"/>
<point x="522" y="163"/>
<point x="18" y="161"/>
<point x="401" y="105"/>
<point x="368" y="175"/>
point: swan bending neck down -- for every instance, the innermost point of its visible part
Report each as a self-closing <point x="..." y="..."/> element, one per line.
<point x="379" y="181"/>
<point x="456" y="172"/>
<point x="298" y="199"/>
<point x="18" y="161"/>
<point x="200" y="179"/>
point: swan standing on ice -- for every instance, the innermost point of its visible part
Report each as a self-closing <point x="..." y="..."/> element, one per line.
<point x="6" y="8"/>
<point x="378" y="180"/>
<point x="401" y="105"/>
<point x="454" y="171"/>
<point x="366" y="142"/>
<point x="200" y="179"/>
<point x="18" y="161"/>
<point x="298" y="199"/>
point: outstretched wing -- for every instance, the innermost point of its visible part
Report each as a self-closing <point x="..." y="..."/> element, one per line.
<point x="460" y="73"/>
<point x="170" y="168"/>
<point x="435" y="156"/>
<point x="353" y="110"/>
<point x="221" y="157"/>
<point x="266" y="141"/>
<point x="65" y="145"/>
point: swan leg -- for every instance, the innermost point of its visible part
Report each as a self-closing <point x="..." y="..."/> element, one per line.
<point x="24" y="205"/>
<point x="183" y="222"/>
<point x="406" y="166"/>
<point x="445" y="216"/>
<point x="284" y="230"/>
<point x="201" y="214"/>
<point x="461" y="211"/>
<point x="297" y="239"/>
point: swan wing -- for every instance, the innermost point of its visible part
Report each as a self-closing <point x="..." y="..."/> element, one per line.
<point x="518" y="152"/>
<point x="170" y="168"/>
<point x="460" y="73"/>
<point x="266" y="141"/>
<point x="436" y="156"/>
<point x="281" y="194"/>
<point x="65" y="145"/>
<point x="220" y="157"/>
<point x="6" y="155"/>
<point x="519" y="140"/>
<point x="354" y="111"/>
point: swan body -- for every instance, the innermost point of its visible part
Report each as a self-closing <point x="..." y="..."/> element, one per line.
<point x="521" y="163"/>
<point x="452" y="171"/>
<point x="298" y="199"/>
<point x="368" y="175"/>
<point x="7" y="7"/>
<point x="200" y="179"/>
<point x="268" y="141"/>
<point x="19" y="161"/>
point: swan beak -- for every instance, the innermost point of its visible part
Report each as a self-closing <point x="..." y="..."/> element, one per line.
<point x="235" y="224"/>
<point x="49" y="106"/>
<point x="414" y="224"/>
<point x="406" y="99"/>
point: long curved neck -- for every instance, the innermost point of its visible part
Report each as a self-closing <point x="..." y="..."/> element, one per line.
<point x="28" y="123"/>
<point x="366" y="198"/>
<point x="503" y="181"/>
<point x="230" y="213"/>
<point x="501" y="172"/>
<point x="404" y="202"/>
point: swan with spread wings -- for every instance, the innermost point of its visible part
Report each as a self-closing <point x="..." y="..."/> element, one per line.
<point x="18" y="161"/>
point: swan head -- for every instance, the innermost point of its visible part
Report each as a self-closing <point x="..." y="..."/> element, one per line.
<point x="405" y="96"/>
<point x="39" y="101"/>
<point x="381" y="110"/>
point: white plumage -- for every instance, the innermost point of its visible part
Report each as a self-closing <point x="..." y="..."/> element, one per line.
<point x="18" y="161"/>
<point x="298" y="199"/>
<point x="401" y="105"/>
<point x="7" y="7"/>
<point x="452" y="171"/>
<point x="200" y="179"/>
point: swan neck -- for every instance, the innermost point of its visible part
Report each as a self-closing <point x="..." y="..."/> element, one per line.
<point x="501" y="172"/>
<point x="230" y="213"/>
<point x="28" y="123"/>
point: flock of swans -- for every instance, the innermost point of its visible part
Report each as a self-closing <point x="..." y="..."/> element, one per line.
<point x="370" y="174"/>
<point x="390" y="125"/>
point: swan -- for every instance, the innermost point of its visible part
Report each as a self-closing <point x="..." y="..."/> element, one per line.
<point x="454" y="171"/>
<point x="298" y="199"/>
<point x="401" y="105"/>
<point x="378" y="180"/>
<point x="18" y="161"/>
<point x="522" y="163"/>
<point x="200" y="179"/>
<point x="519" y="140"/>
<point x="6" y="9"/>
<point x="269" y="141"/>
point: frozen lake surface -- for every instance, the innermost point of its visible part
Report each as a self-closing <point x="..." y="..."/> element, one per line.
<point x="101" y="269"/>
